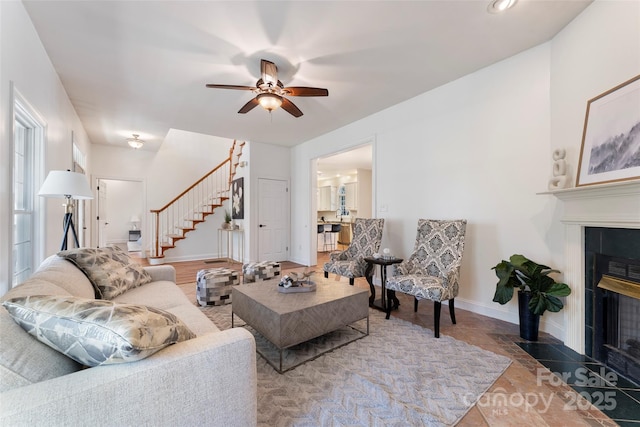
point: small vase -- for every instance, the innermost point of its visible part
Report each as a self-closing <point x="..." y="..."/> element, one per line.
<point x="529" y="322"/>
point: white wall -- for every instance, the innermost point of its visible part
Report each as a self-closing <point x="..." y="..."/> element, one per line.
<point x="25" y="63"/>
<point x="480" y="148"/>
<point x="265" y="161"/>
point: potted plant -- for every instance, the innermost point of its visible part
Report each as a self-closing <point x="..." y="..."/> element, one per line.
<point x="227" y="220"/>
<point x="538" y="292"/>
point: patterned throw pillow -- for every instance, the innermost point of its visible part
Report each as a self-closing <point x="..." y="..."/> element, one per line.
<point x="97" y="332"/>
<point x="111" y="270"/>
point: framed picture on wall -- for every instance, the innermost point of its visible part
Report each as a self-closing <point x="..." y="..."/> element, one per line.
<point x="611" y="136"/>
<point x="237" y="198"/>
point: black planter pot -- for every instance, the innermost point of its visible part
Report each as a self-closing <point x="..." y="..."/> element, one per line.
<point x="529" y="322"/>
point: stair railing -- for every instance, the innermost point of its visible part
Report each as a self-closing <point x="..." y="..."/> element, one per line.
<point x="190" y="207"/>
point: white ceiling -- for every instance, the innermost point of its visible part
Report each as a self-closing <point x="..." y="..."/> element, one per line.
<point x="141" y="66"/>
<point x="345" y="163"/>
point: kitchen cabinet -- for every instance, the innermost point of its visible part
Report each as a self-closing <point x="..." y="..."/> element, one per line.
<point x="327" y="198"/>
<point x="351" y="195"/>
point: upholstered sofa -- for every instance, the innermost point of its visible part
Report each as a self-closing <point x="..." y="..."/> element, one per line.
<point x="207" y="379"/>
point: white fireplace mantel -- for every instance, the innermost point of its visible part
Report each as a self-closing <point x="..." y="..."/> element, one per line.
<point x="614" y="205"/>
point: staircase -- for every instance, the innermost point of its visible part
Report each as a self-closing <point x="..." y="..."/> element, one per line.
<point x="173" y="221"/>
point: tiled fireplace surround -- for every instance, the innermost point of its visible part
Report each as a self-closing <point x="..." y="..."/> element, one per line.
<point x="614" y="205"/>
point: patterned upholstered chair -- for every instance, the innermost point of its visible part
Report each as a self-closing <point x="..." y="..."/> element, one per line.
<point x="433" y="269"/>
<point x="367" y="235"/>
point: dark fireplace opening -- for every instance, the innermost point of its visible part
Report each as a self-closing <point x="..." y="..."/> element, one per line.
<point x="612" y="325"/>
<point x="616" y="314"/>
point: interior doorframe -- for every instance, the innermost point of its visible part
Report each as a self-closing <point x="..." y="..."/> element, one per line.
<point x="313" y="190"/>
<point x="94" y="208"/>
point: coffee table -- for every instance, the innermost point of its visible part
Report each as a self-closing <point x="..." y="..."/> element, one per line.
<point x="286" y="320"/>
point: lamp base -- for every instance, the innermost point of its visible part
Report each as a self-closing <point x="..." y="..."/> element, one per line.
<point x="68" y="224"/>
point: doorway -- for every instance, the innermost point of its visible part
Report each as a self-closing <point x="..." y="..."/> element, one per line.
<point x="273" y="219"/>
<point x="120" y="209"/>
<point x="344" y="191"/>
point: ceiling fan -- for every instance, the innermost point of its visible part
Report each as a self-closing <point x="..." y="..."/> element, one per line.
<point x="271" y="92"/>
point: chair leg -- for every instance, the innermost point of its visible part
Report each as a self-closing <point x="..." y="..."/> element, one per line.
<point x="326" y="274"/>
<point x="415" y="304"/>
<point x="351" y="281"/>
<point x="437" y="307"/>
<point x="452" y="312"/>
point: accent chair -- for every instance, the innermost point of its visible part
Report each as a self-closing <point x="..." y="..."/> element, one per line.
<point x="432" y="271"/>
<point x="367" y="236"/>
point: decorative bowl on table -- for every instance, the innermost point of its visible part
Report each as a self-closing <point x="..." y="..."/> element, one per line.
<point x="295" y="282"/>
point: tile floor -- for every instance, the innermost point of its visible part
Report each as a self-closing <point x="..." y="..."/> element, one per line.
<point x="616" y="396"/>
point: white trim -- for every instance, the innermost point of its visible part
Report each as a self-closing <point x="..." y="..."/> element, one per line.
<point x="313" y="189"/>
<point x="21" y="107"/>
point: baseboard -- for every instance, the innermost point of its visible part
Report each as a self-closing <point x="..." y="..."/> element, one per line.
<point x="501" y="312"/>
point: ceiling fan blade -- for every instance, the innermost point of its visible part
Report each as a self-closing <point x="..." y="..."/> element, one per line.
<point x="290" y="108"/>
<point x="269" y="72"/>
<point x="306" y="91"/>
<point x="249" y="106"/>
<point x="230" y="87"/>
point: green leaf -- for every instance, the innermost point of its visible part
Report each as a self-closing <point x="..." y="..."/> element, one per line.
<point x="503" y="294"/>
<point x="559" y="290"/>
<point x="553" y="304"/>
<point x="537" y="304"/>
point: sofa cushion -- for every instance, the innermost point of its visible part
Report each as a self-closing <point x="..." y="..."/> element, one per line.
<point x="65" y="275"/>
<point x="97" y="332"/>
<point x="111" y="270"/>
<point x="23" y="359"/>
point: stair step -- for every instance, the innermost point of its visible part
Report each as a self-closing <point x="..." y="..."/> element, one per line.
<point x="185" y="229"/>
<point x="175" y="236"/>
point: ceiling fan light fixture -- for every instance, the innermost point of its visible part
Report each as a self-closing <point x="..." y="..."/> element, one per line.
<point x="269" y="101"/>
<point x="499" y="6"/>
<point x="135" y="142"/>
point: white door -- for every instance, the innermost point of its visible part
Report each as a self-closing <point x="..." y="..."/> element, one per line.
<point x="102" y="214"/>
<point x="273" y="220"/>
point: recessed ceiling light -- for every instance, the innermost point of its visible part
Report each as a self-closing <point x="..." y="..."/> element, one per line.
<point x="499" y="6"/>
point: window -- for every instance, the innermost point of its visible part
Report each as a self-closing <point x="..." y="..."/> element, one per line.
<point x="27" y="165"/>
<point x="22" y="203"/>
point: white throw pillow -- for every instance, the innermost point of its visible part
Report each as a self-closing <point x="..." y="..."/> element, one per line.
<point x="97" y="332"/>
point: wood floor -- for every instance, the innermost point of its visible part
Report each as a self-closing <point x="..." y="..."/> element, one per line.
<point x="523" y="395"/>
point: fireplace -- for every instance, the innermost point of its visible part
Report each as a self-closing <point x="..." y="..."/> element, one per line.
<point x="613" y="206"/>
<point x="613" y="315"/>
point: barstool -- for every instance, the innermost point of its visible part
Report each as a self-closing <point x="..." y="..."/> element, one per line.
<point x="326" y="228"/>
<point x="335" y="230"/>
<point x="321" y="232"/>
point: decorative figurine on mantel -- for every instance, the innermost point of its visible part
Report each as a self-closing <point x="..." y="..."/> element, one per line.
<point x="560" y="178"/>
<point x="297" y="282"/>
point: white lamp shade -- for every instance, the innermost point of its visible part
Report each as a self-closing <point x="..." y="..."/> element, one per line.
<point x="135" y="218"/>
<point x="66" y="183"/>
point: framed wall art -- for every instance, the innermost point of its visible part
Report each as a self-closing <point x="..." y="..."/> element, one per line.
<point x="237" y="198"/>
<point x="610" y="149"/>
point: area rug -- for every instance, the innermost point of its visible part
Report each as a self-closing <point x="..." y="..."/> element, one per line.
<point x="398" y="375"/>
